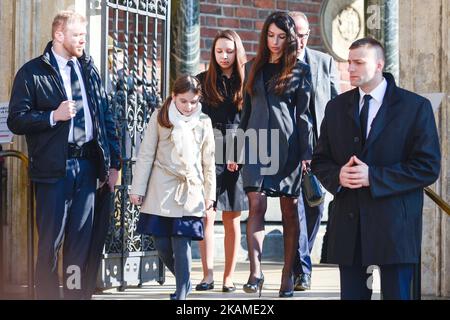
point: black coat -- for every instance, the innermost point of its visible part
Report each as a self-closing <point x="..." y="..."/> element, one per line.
<point x="225" y="118"/>
<point x="37" y="91"/>
<point x="289" y="114"/>
<point x="403" y="155"/>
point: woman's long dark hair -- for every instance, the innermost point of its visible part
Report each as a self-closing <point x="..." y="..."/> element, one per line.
<point x="288" y="59"/>
<point x="183" y="84"/>
<point x="210" y="94"/>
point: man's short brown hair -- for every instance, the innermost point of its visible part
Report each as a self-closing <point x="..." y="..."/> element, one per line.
<point x="371" y="43"/>
<point x="63" y="18"/>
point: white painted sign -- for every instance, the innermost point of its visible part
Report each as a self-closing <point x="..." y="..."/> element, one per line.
<point x="5" y="135"/>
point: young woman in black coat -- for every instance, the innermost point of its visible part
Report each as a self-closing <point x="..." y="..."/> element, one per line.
<point x="222" y="101"/>
<point x="276" y="111"/>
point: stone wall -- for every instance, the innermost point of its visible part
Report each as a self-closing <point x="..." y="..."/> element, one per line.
<point x="247" y="17"/>
<point x="424" y="68"/>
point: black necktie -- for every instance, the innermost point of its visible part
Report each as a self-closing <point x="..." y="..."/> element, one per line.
<point x="363" y="117"/>
<point x="79" y="134"/>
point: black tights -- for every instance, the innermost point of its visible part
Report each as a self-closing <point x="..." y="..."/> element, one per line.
<point x="255" y="235"/>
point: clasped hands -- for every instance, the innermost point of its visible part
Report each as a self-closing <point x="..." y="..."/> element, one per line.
<point x="354" y="174"/>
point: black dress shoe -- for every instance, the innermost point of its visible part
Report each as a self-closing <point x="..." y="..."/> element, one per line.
<point x="229" y="289"/>
<point x="203" y="286"/>
<point x="303" y="282"/>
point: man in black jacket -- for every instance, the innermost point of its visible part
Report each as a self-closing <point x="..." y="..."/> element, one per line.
<point x="59" y="104"/>
<point x="378" y="148"/>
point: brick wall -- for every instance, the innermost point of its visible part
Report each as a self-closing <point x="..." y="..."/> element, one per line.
<point x="247" y="17"/>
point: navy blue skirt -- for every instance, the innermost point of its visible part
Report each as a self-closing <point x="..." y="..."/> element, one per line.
<point x="158" y="226"/>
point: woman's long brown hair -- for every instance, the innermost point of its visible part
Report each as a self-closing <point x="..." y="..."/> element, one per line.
<point x="210" y="94"/>
<point x="183" y="84"/>
<point x="288" y="59"/>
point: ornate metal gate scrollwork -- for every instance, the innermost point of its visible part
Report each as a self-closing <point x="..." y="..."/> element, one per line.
<point x="137" y="54"/>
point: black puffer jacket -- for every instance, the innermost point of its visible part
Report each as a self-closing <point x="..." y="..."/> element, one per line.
<point x="37" y="91"/>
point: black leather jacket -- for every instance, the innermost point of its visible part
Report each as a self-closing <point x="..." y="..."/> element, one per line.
<point x="37" y="91"/>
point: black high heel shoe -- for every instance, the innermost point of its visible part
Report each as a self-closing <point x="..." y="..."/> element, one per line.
<point x="287" y="293"/>
<point x="256" y="286"/>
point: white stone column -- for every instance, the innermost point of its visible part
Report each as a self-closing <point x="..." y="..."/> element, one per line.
<point x="424" y="68"/>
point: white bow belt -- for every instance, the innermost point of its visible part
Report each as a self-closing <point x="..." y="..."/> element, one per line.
<point x="186" y="182"/>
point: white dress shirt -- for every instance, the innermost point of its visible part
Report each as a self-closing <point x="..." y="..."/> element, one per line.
<point x="64" y="70"/>
<point x="302" y="56"/>
<point x="374" y="103"/>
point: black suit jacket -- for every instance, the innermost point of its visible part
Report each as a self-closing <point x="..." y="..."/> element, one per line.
<point x="403" y="155"/>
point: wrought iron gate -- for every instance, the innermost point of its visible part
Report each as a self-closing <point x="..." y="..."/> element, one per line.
<point x="137" y="56"/>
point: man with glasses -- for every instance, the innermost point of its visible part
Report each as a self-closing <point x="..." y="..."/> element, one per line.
<point x="325" y="86"/>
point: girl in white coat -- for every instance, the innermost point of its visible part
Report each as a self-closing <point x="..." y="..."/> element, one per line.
<point x="174" y="179"/>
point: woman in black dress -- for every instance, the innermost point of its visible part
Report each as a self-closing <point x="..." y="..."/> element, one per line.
<point x="276" y="109"/>
<point x="222" y="101"/>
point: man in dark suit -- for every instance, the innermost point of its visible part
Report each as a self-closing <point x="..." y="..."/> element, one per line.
<point x="378" y="148"/>
<point x="325" y="86"/>
<point x="59" y="104"/>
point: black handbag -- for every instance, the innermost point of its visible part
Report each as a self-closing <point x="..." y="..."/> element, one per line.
<point x="311" y="188"/>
